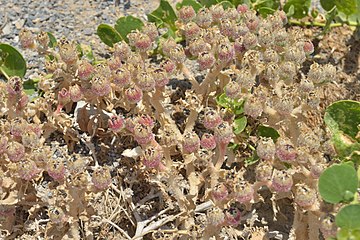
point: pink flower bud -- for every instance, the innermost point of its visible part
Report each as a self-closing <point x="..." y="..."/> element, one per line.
<point x="281" y="181"/>
<point x="305" y="196"/>
<point x="151" y="30"/>
<point x="100" y="86"/>
<point x="43" y="39"/>
<point x="27" y="170"/>
<point x="216" y="217"/>
<point x="152" y="156"/>
<point x="232" y="216"/>
<point x="220" y="192"/>
<point x="186" y="13"/>
<point x="68" y="52"/>
<point x="212" y="119"/>
<point x="191" y="31"/>
<point x="85" y="70"/>
<point x="143" y="134"/>
<point x="15" y="151"/>
<point x="101" y="178"/>
<point x="161" y="77"/>
<point x="116" y="123"/>
<point x="264" y="171"/>
<point x="225" y="52"/>
<point x="308" y="47"/>
<point x="191" y="142"/>
<point x="56" y="169"/>
<point x="14" y="86"/>
<point x="146" y="120"/>
<point x="285" y="150"/>
<point x="122" y="50"/>
<point x="177" y="54"/>
<point x="208" y="141"/>
<point x="204" y="18"/>
<point x="243" y="192"/>
<point x="233" y="90"/>
<point x="75" y="93"/>
<point x="206" y="60"/>
<point x="114" y="63"/>
<point x="140" y="41"/>
<point x="217" y="12"/>
<point x="133" y="94"/>
<point x="327" y="226"/>
<point x="242" y="8"/>
<point x="266" y="149"/>
<point x="121" y="77"/>
<point x="146" y="81"/>
<point x="223" y="133"/>
<point x="26" y="39"/>
<point x="3" y="144"/>
<point x="169" y="66"/>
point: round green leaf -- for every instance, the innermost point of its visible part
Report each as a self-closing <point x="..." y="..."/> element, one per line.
<point x="344" y="116"/>
<point x="12" y="62"/>
<point x="108" y="34"/>
<point x="269" y="132"/>
<point x="240" y="124"/>
<point x="336" y="182"/>
<point x="196" y="5"/>
<point x="348" y="217"/>
<point x="125" y="25"/>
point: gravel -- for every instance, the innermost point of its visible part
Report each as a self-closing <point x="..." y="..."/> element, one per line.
<point x="74" y="19"/>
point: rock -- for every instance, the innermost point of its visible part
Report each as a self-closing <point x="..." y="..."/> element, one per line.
<point x="7" y="29"/>
<point x="19" y="23"/>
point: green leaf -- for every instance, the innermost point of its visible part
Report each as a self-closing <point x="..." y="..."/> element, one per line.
<point x="336" y="181"/>
<point x="30" y="88"/>
<point x="223" y="101"/>
<point x="12" y="62"/>
<point x="209" y="3"/>
<point x="108" y="34"/>
<point x="343" y="116"/>
<point x="264" y="7"/>
<point x="85" y="51"/>
<point x="126" y="25"/>
<point x="53" y="41"/>
<point x="301" y="7"/>
<point x="349" y="217"/>
<point x="164" y="14"/>
<point x="346" y="147"/>
<point x="240" y="124"/>
<point x="346" y="6"/>
<point x="196" y="5"/>
<point x="226" y="4"/>
<point x="268" y="132"/>
<point x="346" y="234"/>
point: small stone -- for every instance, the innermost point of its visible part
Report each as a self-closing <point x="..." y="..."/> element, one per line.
<point x="7" y="29"/>
<point x="19" y="23"/>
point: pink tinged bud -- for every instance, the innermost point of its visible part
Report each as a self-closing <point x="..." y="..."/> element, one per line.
<point x="152" y="157"/>
<point x="250" y="41"/>
<point x="282" y="16"/>
<point x="114" y="63"/>
<point x="146" y="82"/>
<point x="316" y="170"/>
<point x="121" y="77"/>
<point x="239" y="47"/>
<point x="285" y="150"/>
<point x="29" y="139"/>
<point x="17" y="128"/>
<point x="75" y="93"/>
<point x="43" y="39"/>
<point x="14" y="86"/>
<point x="68" y="53"/>
<point x="242" y="8"/>
<point x="161" y="78"/>
<point x="266" y="149"/>
<point x="191" y="30"/>
<point x="252" y="22"/>
<point x="63" y="97"/>
<point x="186" y="13"/>
<point x="177" y="54"/>
<point x="223" y="133"/>
<point x="27" y="170"/>
<point x="151" y="30"/>
<point x="100" y="86"/>
<point x="26" y="39"/>
<point x="204" y="18"/>
<point x="143" y="134"/>
<point x="85" y="70"/>
<point x="133" y="94"/>
<point x="3" y="144"/>
<point x="122" y="50"/>
<point x="57" y="216"/>
<point x="281" y="181"/>
<point x="198" y="46"/>
<point x="206" y="60"/>
<point x="15" y="151"/>
<point x="216" y="217"/>
<point x="327" y="226"/>
<point x="225" y="52"/>
<point x="116" y="123"/>
<point x="56" y="169"/>
<point x="305" y="196"/>
<point x="208" y="141"/>
<point x="232" y="216"/>
<point x="253" y="108"/>
<point x="167" y="45"/>
<point x="227" y="28"/>
<point x="233" y="90"/>
<point x="130" y="123"/>
<point x="140" y="41"/>
<point x="264" y="171"/>
<point x="217" y="12"/>
<point x="101" y="178"/>
<point x="212" y="119"/>
<point x="191" y="142"/>
<point x="308" y="47"/>
<point x="243" y="192"/>
<point x="220" y="192"/>
<point x="146" y="120"/>
<point x="169" y="66"/>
